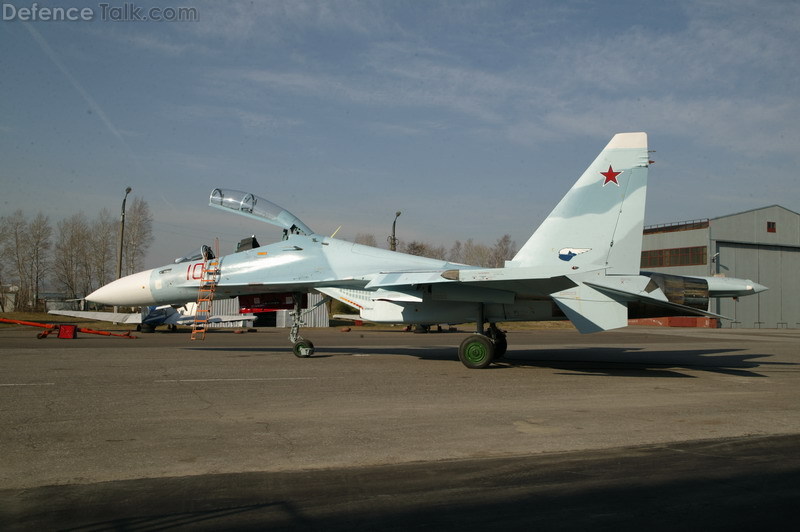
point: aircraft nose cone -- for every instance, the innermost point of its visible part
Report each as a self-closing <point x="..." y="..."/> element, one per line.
<point x="132" y="290"/>
<point x="756" y="288"/>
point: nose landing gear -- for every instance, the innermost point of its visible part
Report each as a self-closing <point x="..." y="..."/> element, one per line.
<point x="301" y="347"/>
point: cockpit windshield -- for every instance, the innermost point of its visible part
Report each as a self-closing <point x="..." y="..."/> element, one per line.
<point x="259" y="208"/>
<point x="203" y="253"/>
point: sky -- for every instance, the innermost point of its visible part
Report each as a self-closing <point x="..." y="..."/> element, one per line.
<point x="472" y="118"/>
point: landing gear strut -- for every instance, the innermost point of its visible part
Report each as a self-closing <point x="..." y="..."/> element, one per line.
<point x="482" y="348"/>
<point x="499" y="339"/>
<point x="301" y="347"/>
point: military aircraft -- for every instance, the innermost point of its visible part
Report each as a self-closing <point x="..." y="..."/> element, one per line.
<point x="152" y="316"/>
<point x="582" y="264"/>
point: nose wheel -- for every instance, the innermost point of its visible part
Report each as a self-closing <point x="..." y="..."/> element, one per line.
<point x="303" y="348"/>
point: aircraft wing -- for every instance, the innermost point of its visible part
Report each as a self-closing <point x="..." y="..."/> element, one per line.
<point x="592" y="300"/>
<point x="113" y="317"/>
<point x="486" y="285"/>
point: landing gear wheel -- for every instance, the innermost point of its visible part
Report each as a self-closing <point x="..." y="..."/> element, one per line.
<point x="303" y="348"/>
<point x="476" y="351"/>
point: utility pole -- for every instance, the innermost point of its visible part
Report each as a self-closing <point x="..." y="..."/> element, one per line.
<point x="121" y="236"/>
<point x="393" y="238"/>
<point x="122" y="233"/>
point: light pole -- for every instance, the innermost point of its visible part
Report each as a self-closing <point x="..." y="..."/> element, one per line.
<point x="393" y="239"/>
<point x="122" y="232"/>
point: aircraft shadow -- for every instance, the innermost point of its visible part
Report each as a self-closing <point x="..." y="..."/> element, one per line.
<point x="589" y="361"/>
<point x="632" y="362"/>
<point x="601" y="361"/>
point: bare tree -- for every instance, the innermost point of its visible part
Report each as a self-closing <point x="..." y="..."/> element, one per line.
<point x="503" y="250"/>
<point x="39" y="234"/>
<point x="138" y="235"/>
<point x="4" y="238"/>
<point x="83" y="259"/>
<point x="366" y="239"/>
<point x="15" y="229"/>
<point x="416" y="248"/>
<point x="437" y="252"/>
<point x="423" y="249"/>
<point x="103" y="234"/>
<point x="16" y="225"/>
<point x="476" y="254"/>
<point x="71" y="255"/>
<point x="456" y="253"/>
<point x="3" y="290"/>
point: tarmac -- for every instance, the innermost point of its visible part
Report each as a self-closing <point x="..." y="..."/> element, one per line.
<point x="641" y="427"/>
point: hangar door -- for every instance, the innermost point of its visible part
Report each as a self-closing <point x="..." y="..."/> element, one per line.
<point x="776" y="267"/>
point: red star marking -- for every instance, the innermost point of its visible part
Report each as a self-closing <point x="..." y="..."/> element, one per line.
<point x="611" y="176"/>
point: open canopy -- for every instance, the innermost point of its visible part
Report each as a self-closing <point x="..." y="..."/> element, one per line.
<point x="202" y="253"/>
<point x="259" y="208"/>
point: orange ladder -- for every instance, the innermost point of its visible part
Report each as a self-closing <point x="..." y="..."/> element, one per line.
<point x="205" y="299"/>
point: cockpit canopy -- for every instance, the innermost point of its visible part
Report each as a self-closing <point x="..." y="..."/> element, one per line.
<point x="259" y="208"/>
<point x="203" y="253"/>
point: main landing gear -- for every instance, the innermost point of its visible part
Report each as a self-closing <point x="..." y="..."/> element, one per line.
<point x="301" y="347"/>
<point x="483" y="348"/>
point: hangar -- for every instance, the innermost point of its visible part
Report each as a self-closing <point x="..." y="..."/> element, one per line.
<point x="761" y="244"/>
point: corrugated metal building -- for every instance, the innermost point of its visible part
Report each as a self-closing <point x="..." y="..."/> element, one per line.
<point x="316" y="317"/>
<point x="228" y="307"/>
<point x="762" y="245"/>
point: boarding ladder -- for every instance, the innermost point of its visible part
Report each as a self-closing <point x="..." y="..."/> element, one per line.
<point x="205" y="298"/>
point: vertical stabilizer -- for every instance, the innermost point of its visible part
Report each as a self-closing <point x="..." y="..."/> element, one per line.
<point x="598" y="224"/>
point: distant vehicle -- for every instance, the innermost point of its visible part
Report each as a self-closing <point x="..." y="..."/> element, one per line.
<point x="582" y="264"/>
<point x="152" y="316"/>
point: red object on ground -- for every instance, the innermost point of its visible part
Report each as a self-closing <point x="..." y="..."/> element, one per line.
<point x="55" y="327"/>
<point x="69" y="332"/>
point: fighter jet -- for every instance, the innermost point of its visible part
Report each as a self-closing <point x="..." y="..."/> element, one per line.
<point x="582" y="264"/>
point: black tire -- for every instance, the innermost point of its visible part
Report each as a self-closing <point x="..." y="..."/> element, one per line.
<point x="500" y="346"/>
<point x="303" y="348"/>
<point x="476" y="351"/>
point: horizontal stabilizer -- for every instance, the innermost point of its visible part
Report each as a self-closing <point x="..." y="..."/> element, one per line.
<point x="590" y="311"/>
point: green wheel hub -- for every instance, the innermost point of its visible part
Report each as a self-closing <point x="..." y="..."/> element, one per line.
<point x="476" y="351"/>
<point x="303" y="348"/>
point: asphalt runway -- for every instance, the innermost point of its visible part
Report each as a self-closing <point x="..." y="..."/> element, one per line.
<point x="662" y="428"/>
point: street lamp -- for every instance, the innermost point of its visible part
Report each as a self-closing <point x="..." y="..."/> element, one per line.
<point x="393" y="239"/>
<point x="122" y="232"/>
